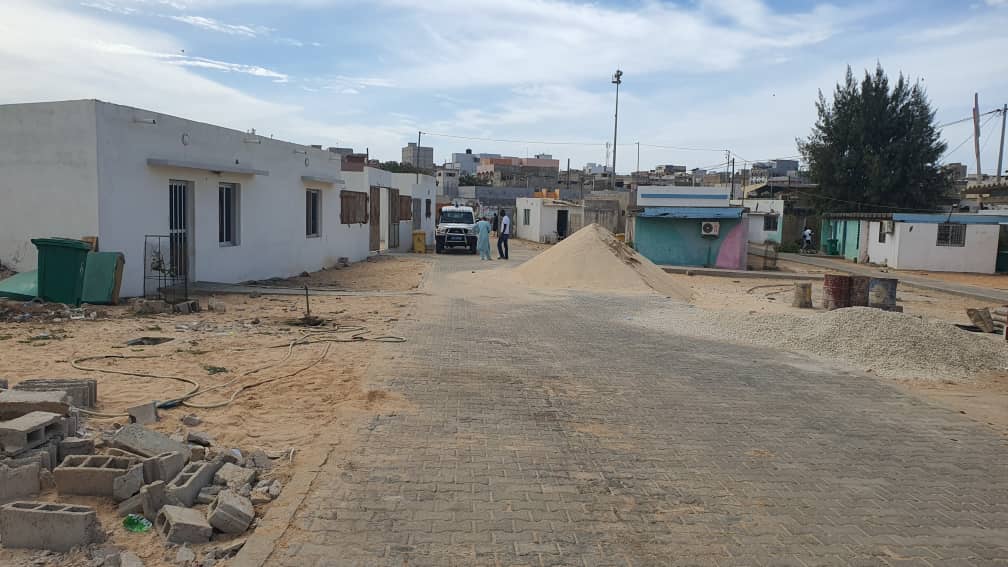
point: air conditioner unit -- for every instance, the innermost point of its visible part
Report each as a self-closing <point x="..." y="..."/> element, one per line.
<point x="710" y="228"/>
<point x="888" y="227"/>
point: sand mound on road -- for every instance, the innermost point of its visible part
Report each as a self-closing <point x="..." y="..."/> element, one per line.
<point x="592" y="259"/>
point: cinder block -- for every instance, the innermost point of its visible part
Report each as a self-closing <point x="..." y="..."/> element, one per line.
<point x="125" y="486"/>
<point x="16" y="403"/>
<point x="165" y="466"/>
<point x="29" y="431"/>
<point x="182" y="525"/>
<point x="142" y="441"/>
<point x="230" y="513"/>
<point x="83" y="392"/>
<point x="92" y="475"/>
<point x="44" y="456"/>
<point x="20" y="482"/>
<point x="143" y="414"/>
<point x="45" y="525"/>
<point x="75" y="446"/>
<point x="233" y="476"/>
<point x="185" y="487"/>
<point x="208" y="494"/>
<point x="152" y="499"/>
<point x="132" y="505"/>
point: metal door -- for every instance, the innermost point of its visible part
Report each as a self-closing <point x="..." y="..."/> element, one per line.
<point x="393" y="225"/>
<point x="561" y="226"/>
<point x="179" y="231"/>
<point x="417" y="212"/>
<point x="374" y="219"/>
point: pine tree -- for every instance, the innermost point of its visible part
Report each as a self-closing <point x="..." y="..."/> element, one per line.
<point x="875" y="148"/>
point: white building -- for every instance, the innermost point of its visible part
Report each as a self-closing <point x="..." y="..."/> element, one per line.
<point x="237" y="206"/>
<point x="446" y="179"/>
<point x="546" y="220"/>
<point x="765" y="219"/>
<point x="937" y="242"/>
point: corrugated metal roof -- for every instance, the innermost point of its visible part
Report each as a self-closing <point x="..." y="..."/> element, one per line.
<point x="692" y="212"/>
<point x="962" y="218"/>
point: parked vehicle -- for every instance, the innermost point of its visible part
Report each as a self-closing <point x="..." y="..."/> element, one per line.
<point x="455" y="229"/>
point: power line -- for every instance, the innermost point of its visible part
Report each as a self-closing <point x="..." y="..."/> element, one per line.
<point x="967" y="119"/>
<point x="968" y="138"/>
<point x="861" y="203"/>
<point x="682" y="148"/>
<point x="513" y="141"/>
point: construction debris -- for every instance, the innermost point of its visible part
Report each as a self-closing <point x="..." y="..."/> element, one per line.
<point x="44" y="525"/>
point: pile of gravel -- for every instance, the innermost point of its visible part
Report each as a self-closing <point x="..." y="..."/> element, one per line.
<point x="889" y="344"/>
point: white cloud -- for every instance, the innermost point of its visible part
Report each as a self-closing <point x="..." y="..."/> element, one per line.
<point x="216" y="26"/>
<point x="187" y="61"/>
<point x="109" y="6"/>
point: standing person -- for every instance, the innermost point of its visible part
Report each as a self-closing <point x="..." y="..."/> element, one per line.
<point x="483" y="238"/>
<point x="496" y="223"/>
<point x="806" y="239"/>
<point x="503" y="235"/>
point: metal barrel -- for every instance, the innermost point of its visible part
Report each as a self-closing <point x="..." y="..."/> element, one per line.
<point x="859" y="291"/>
<point x="836" y="291"/>
<point x="882" y="292"/>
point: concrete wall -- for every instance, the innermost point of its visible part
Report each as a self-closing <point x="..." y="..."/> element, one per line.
<point x="605" y="213"/>
<point x="671" y="196"/>
<point x="133" y="198"/>
<point x="883" y="254"/>
<point x="758" y="209"/>
<point x="678" y="242"/>
<point x="917" y="249"/>
<point x="543" y="215"/>
<point x="48" y="177"/>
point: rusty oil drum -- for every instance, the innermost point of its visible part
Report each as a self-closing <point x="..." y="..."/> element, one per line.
<point x="859" y="291"/>
<point x="882" y="292"/>
<point x="836" y="291"/>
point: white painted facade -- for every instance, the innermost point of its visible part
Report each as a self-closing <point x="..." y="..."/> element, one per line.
<point x="912" y="246"/>
<point x="673" y="196"/>
<point x="758" y="210"/>
<point x="541" y="225"/>
<point x="90" y="168"/>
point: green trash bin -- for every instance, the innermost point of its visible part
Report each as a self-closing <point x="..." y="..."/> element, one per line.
<point x="61" y="264"/>
<point x="833" y="247"/>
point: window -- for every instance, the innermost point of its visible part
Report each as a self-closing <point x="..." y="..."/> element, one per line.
<point x="353" y="207"/>
<point x="227" y="214"/>
<point x="313" y="202"/>
<point x="881" y="233"/>
<point x="405" y="208"/>
<point x="770" y="222"/>
<point x="951" y="234"/>
<point x="526" y="213"/>
<point x="428" y="211"/>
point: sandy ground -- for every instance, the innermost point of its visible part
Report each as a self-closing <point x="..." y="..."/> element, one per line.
<point x="319" y="387"/>
<point x="992" y="281"/>
<point x="387" y="273"/>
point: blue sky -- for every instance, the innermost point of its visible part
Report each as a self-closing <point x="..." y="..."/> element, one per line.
<point x="737" y="74"/>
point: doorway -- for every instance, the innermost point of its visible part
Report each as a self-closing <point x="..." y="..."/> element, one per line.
<point x="393" y="221"/>
<point x="180" y="240"/>
<point x="561" y="227"/>
<point x="1001" y="265"/>
<point x="374" y="219"/>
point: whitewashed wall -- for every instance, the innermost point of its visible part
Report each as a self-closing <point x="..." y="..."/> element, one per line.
<point x="883" y="254"/>
<point x="48" y="176"/>
<point x="133" y="198"/>
<point x="917" y="249"/>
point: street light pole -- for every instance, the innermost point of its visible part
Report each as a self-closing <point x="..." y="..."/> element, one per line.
<point x="616" y="80"/>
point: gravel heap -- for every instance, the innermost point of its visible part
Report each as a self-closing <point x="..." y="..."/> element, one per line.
<point x="889" y="344"/>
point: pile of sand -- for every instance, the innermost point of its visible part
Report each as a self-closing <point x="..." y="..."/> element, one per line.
<point x="592" y="259"/>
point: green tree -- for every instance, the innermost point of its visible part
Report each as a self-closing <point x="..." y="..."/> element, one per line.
<point x="875" y="148"/>
<point x="467" y="180"/>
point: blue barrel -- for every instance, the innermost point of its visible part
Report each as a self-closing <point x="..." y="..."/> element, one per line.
<point x="882" y="292"/>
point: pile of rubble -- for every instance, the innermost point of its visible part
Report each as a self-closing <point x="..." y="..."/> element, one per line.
<point x="188" y="489"/>
<point x="39" y="311"/>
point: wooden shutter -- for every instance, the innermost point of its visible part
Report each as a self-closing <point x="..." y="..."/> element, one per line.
<point x="405" y="208"/>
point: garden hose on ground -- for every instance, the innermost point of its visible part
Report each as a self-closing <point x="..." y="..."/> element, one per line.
<point x="306" y="338"/>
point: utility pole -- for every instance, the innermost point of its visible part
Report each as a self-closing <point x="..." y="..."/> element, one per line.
<point x="727" y="164"/>
<point x="1004" y="112"/>
<point x="617" y="80"/>
<point x="637" y="172"/>
<point x="976" y="132"/>
<point x="732" y="179"/>
<point x="416" y="157"/>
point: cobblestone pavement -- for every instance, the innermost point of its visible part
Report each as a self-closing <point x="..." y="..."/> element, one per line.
<point x="551" y="433"/>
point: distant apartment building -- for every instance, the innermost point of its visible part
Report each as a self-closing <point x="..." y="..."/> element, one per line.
<point x="538" y="172"/>
<point x="594" y="169"/>
<point x="422" y="157"/>
<point x="669" y="169"/>
<point x="446" y="179"/>
<point x="468" y="162"/>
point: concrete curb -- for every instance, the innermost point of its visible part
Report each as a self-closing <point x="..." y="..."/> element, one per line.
<point x="207" y="288"/>
<point x="758" y="275"/>
<point x="262" y="542"/>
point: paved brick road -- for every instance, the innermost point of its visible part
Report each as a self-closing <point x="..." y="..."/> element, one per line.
<point x="553" y="433"/>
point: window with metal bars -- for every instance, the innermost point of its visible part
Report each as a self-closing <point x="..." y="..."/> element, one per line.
<point x="770" y="222"/>
<point x="313" y="211"/>
<point x="227" y="214"/>
<point x="951" y="234"/>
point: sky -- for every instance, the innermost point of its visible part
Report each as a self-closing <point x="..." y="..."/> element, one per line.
<point x="699" y="76"/>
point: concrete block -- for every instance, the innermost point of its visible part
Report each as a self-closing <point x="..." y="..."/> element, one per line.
<point x="152" y="499"/>
<point x="230" y="513"/>
<point x="20" y="482"/>
<point x="233" y="476"/>
<point x="127" y="485"/>
<point x="182" y="525"/>
<point x="16" y="403"/>
<point x="72" y="423"/>
<point x="75" y="446"/>
<point x="132" y="505"/>
<point x="208" y="494"/>
<point x="185" y="487"/>
<point x="200" y="438"/>
<point x="165" y="466"/>
<point x="83" y="392"/>
<point x="113" y="452"/>
<point x="198" y="453"/>
<point x="92" y="475"/>
<point x="46" y="525"/>
<point x="143" y="413"/>
<point x="142" y="441"/>
<point x="44" y="456"/>
<point x="130" y="559"/>
<point x="260" y="460"/>
<point x="29" y="431"/>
